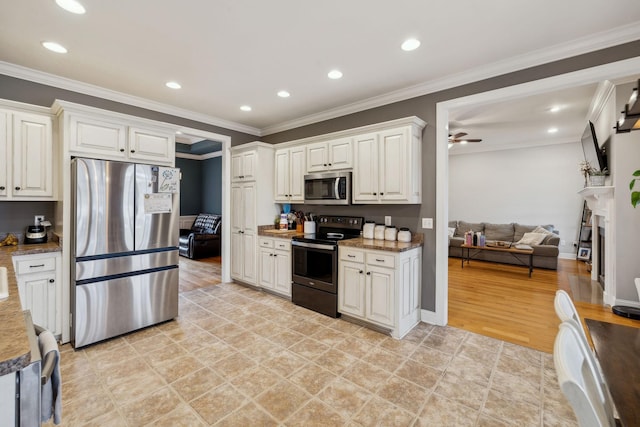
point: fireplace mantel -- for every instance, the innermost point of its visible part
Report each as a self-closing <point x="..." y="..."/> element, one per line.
<point x="598" y="199"/>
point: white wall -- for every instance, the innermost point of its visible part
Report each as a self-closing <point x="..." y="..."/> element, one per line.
<point x="533" y="186"/>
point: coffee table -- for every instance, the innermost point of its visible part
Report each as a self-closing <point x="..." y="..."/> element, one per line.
<point x="515" y="252"/>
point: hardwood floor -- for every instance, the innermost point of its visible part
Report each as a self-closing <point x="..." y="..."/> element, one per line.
<point x="501" y="301"/>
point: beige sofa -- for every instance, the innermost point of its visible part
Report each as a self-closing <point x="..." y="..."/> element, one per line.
<point x="545" y="254"/>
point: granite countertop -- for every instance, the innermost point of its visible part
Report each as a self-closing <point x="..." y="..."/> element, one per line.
<point x="384" y="245"/>
<point x="269" y="231"/>
<point x="15" y="352"/>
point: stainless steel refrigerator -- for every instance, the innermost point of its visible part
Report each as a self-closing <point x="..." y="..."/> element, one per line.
<point x="125" y="227"/>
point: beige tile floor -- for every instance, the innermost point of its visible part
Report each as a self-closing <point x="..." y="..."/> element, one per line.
<point x="240" y="357"/>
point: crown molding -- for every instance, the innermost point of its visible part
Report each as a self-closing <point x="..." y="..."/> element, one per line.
<point x="48" y="79"/>
<point x="604" y="91"/>
<point x="199" y="156"/>
<point x="576" y="47"/>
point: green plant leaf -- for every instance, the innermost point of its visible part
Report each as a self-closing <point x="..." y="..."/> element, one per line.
<point x="635" y="198"/>
<point x="631" y="184"/>
<point x="636" y="173"/>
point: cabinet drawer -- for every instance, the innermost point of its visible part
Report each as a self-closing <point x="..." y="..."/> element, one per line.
<point x="265" y="243"/>
<point x="283" y="245"/>
<point x="381" y="260"/>
<point x="352" y="255"/>
<point x="28" y="266"/>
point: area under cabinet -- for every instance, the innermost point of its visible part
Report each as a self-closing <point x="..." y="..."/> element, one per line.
<point x="275" y="265"/>
<point x="380" y="287"/>
<point x="40" y="288"/>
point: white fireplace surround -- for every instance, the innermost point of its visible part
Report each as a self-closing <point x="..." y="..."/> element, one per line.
<point x="600" y="201"/>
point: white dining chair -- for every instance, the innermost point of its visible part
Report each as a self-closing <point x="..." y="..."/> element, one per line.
<point x="579" y="380"/>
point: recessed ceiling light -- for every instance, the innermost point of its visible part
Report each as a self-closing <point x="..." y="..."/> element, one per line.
<point x="173" y="85"/>
<point x="410" y="44"/>
<point x="552" y="130"/>
<point x="284" y="94"/>
<point x="245" y="108"/>
<point x="554" y="109"/>
<point x="71" y="6"/>
<point x="335" y="74"/>
<point x="54" y="47"/>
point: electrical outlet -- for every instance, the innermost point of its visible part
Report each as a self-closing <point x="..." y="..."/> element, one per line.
<point x="387" y="220"/>
<point x="563" y="242"/>
<point x="427" y="222"/>
<point x="37" y="219"/>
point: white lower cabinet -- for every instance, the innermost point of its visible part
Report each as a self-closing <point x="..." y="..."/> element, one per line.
<point x="380" y="287"/>
<point x="275" y="265"/>
<point x="39" y="279"/>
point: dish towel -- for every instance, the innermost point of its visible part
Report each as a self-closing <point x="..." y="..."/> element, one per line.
<point x="52" y="390"/>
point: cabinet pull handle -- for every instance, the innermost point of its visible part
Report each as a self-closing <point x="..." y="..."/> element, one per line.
<point x="36" y="266"/>
<point x="379" y="260"/>
<point x="351" y="256"/>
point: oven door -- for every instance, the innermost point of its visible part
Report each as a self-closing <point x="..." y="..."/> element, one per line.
<point x="315" y="265"/>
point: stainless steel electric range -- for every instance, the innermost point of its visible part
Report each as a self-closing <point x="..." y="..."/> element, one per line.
<point x="315" y="263"/>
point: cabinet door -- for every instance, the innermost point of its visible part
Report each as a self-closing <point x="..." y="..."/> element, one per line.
<point x="267" y="268"/>
<point x="97" y="138"/>
<point x="365" y="168"/>
<point x="282" y="272"/>
<point x="380" y="295"/>
<point x="351" y="289"/>
<point x="151" y="146"/>
<point x="237" y="260"/>
<point x="237" y="207"/>
<point x="5" y="153"/>
<point x="341" y="154"/>
<point x="236" y="167"/>
<point x="394" y="165"/>
<point x="249" y="208"/>
<point x="296" y="174"/>
<point x="249" y="271"/>
<point x="282" y="174"/>
<point x="243" y="166"/>
<point x="32" y="156"/>
<point x="317" y="157"/>
<point x="38" y="295"/>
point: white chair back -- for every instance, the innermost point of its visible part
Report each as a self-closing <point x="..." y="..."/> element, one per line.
<point x="567" y="311"/>
<point x="579" y="380"/>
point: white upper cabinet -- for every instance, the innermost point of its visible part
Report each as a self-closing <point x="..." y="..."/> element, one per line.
<point x="387" y="166"/>
<point x="243" y="166"/>
<point x="331" y="155"/>
<point x="27" y="169"/>
<point x="289" y="175"/>
<point x="99" y="134"/>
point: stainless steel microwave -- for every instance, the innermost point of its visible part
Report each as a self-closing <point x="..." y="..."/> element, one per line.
<point x="330" y="188"/>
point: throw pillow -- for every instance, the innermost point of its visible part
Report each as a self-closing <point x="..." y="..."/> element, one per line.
<point x="532" y="238"/>
<point x="452" y="231"/>
<point x="542" y="230"/>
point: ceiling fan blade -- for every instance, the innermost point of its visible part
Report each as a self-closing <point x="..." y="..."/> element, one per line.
<point x="459" y="134"/>
<point x="473" y="140"/>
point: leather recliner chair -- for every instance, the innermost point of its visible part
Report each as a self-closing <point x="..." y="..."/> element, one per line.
<point x="203" y="238"/>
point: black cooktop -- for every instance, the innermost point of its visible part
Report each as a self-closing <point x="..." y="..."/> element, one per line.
<point x="331" y="229"/>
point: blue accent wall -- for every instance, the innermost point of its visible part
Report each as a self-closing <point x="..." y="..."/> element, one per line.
<point x="212" y="185"/>
<point x="190" y="186"/>
<point x="201" y="185"/>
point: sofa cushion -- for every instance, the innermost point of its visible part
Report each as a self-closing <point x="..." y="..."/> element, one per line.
<point x="532" y="238"/>
<point x="206" y="224"/>
<point x="502" y="232"/>
<point x="453" y="224"/>
<point x="520" y="229"/>
<point x="464" y="226"/>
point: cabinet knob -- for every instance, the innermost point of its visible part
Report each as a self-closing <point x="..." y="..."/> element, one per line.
<point x="17" y="188"/>
<point x="361" y="271"/>
<point x="375" y="194"/>
<point x="382" y="194"/>
<point x="368" y="273"/>
<point x="325" y="164"/>
<point x="133" y="151"/>
<point x="122" y="150"/>
<point x="329" y="164"/>
<point x="2" y="187"/>
<point x="51" y="280"/>
<point x="270" y="254"/>
<point x="275" y="255"/>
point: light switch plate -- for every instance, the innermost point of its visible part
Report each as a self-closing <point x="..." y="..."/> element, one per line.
<point x="387" y="220"/>
<point x="427" y="222"/>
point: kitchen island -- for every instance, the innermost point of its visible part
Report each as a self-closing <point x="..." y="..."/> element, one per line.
<point x="15" y="352"/>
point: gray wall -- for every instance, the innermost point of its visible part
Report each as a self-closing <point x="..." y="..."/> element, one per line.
<point x="425" y="108"/>
<point x="190" y="186"/>
<point x="16" y="216"/>
<point x="211" y="190"/>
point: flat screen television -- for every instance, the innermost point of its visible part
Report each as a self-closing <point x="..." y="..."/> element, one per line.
<point x="592" y="152"/>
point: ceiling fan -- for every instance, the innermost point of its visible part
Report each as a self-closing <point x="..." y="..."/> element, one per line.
<point x="458" y="137"/>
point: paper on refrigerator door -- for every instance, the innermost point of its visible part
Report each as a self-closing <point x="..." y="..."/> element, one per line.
<point x="158" y="203"/>
<point x="168" y="180"/>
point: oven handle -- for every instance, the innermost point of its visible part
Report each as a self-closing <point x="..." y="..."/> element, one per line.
<point x="313" y="245"/>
